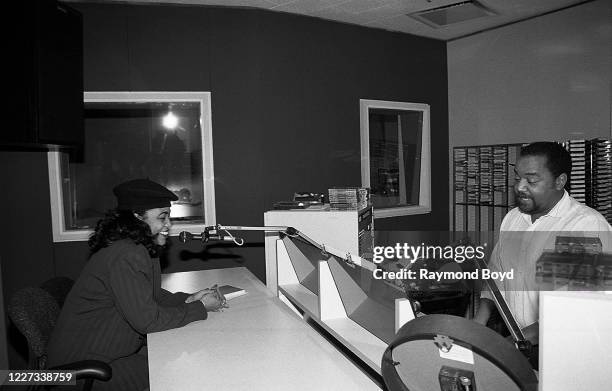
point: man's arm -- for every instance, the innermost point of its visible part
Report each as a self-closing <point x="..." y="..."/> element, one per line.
<point x="532" y="333"/>
<point x="485" y="308"/>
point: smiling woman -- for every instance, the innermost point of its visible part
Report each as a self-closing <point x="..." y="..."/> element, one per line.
<point x="118" y="298"/>
<point x="142" y="215"/>
<point x="158" y="220"/>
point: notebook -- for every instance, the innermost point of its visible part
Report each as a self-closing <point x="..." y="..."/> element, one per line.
<point x="231" y="292"/>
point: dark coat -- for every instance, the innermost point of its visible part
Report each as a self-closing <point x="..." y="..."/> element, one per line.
<point x="114" y="303"/>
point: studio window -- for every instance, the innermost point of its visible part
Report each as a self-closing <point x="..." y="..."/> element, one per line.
<point x="395" y="157"/>
<point x="163" y="136"/>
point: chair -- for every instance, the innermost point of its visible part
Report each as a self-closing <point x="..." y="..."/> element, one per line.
<point x="58" y="287"/>
<point x="34" y="311"/>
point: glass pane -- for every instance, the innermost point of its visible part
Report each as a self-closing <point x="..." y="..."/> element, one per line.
<point x="124" y="141"/>
<point x="395" y="157"/>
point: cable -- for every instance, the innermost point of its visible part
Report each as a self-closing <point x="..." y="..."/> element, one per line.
<point x="237" y="241"/>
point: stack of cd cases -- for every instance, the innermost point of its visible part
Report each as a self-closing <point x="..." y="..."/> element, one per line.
<point x="579" y="151"/>
<point x="591" y="177"/>
<point x="601" y="191"/>
<point x="349" y="198"/>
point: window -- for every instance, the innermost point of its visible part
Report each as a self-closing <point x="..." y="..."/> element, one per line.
<point x="163" y="136"/>
<point x="395" y="156"/>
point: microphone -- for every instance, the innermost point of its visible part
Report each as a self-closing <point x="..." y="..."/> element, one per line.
<point x="184" y="236"/>
<point x="204" y="237"/>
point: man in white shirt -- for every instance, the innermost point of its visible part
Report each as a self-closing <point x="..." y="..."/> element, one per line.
<point x="544" y="211"/>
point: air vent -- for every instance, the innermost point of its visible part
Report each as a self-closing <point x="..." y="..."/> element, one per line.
<point x="452" y="14"/>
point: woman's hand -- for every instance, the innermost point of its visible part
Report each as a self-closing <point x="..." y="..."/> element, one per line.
<point x="197" y="296"/>
<point x="213" y="301"/>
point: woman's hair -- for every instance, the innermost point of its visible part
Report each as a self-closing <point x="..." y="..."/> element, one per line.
<point x="122" y="224"/>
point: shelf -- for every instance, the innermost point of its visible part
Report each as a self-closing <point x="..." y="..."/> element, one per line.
<point x="483" y="204"/>
<point x="308" y="301"/>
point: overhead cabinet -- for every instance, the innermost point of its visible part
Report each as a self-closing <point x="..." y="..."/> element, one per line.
<point x="46" y="52"/>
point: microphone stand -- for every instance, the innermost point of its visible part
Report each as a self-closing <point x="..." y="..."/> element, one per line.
<point x="521" y="343"/>
<point x="213" y="233"/>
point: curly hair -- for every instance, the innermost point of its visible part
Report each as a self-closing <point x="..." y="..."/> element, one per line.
<point x="122" y="224"/>
<point x="558" y="159"/>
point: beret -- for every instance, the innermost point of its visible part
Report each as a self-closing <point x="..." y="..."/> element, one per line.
<point x="142" y="194"/>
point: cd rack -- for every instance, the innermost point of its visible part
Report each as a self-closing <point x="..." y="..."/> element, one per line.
<point x="482" y="190"/>
<point x="590" y="181"/>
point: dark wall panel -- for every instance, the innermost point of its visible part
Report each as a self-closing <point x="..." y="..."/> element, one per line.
<point x="169" y="48"/>
<point x="105" y="49"/>
<point x="238" y="134"/>
<point x="25" y="234"/>
<point x="315" y="77"/>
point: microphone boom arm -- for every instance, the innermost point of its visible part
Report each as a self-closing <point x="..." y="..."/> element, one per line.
<point x="212" y="232"/>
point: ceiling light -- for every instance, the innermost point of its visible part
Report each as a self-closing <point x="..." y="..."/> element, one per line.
<point x="170" y="121"/>
<point x="453" y="13"/>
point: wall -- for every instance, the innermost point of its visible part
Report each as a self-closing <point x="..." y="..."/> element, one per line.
<point x="3" y="335"/>
<point x="285" y="102"/>
<point x="285" y="105"/>
<point x="547" y="78"/>
<point x="543" y="79"/>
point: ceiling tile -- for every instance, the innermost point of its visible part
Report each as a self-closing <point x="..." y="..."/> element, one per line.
<point x="306" y="6"/>
<point x="391" y="14"/>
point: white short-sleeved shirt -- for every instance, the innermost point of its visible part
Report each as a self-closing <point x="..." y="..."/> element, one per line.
<point x="521" y="243"/>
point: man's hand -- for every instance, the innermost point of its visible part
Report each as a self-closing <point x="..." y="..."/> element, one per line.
<point x="532" y="333"/>
<point x="484" y="311"/>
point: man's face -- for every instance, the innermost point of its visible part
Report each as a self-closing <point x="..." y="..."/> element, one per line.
<point x="536" y="189"/>
<point x="158" y="220"/>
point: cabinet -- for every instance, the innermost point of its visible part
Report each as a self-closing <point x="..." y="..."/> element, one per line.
<point x="348" y="231"/>
<point x="46" y="71"/>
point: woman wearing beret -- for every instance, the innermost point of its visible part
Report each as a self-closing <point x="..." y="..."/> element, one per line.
<point x="118" y="298"/>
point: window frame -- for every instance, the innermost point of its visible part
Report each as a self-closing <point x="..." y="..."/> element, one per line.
<point x="424" y="205"/>
<point x="61" y="234"/>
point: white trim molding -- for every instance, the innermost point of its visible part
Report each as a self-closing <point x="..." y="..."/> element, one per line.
<point x="61" y="234"/>
<point x="424" y="205"/>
